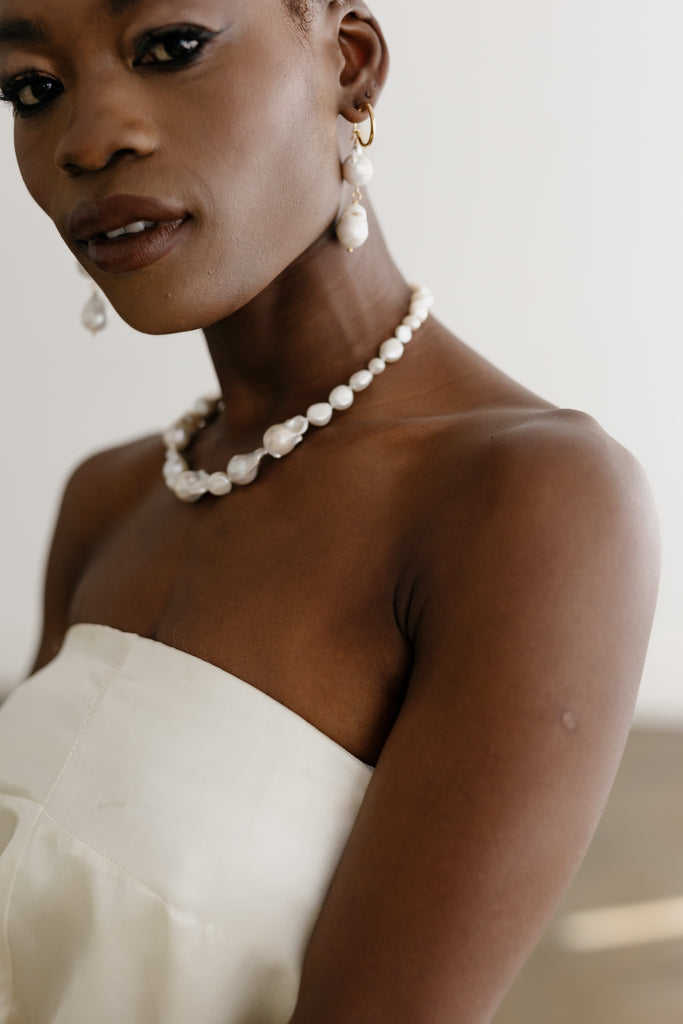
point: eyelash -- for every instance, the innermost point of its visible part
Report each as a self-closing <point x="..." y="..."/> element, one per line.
<point x="178" y="36"/>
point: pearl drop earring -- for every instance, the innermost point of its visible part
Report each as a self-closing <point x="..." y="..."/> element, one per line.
<point x="352" y="227"/>
<point x="94" y="315"/>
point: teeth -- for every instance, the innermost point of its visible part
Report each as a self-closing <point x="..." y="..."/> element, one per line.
<point x="130" y="229"/>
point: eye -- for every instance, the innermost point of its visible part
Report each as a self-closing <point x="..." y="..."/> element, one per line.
<point x="172" y="47"/>
<point x="30" y="92"/>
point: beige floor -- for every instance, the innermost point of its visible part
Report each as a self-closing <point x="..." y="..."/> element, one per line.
<point x="636" y="857"/>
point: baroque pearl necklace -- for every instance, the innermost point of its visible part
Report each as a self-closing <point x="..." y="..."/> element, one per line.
<point x="190" y="485"/>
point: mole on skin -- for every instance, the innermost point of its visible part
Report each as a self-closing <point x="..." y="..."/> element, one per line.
<point x="570" y="721"/>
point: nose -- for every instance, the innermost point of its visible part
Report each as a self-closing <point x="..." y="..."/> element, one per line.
<point x="104" y="124"/>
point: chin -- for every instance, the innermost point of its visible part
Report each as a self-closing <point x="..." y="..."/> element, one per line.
<point x="165" y="324"/>
<point x="162" y="319"/>
<point x="155" y="322"/>
<point x="156" y="311"/>
<point x="161" y="302"/>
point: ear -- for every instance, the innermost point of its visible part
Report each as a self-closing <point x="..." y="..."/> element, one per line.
<point x="366" y="61"/>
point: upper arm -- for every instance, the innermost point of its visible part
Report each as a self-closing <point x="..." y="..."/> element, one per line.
<point x="530" y="613"/>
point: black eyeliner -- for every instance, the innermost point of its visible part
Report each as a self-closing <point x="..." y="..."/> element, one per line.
<point x="197" y="33"/>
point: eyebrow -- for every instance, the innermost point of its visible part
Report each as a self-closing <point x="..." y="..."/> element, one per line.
<point x="21" y="30"/>
<point x="115" y="8"/>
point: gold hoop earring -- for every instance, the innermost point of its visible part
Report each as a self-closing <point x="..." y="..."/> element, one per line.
<point x="356" y="128"/>
<point x="357" y="170"/>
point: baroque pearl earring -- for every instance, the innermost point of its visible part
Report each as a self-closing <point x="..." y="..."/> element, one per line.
<point x="352" y="227"/>
<point x="94" y="315"/>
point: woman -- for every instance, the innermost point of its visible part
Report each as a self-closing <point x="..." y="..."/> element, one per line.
<point x="452" y="582"/>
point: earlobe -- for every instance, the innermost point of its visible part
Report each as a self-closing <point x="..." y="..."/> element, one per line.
<point x="366" y="62"/>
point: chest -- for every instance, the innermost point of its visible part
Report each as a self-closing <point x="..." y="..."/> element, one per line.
<point x="291" y="586"/>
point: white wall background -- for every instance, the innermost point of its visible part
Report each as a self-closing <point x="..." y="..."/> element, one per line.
<point x="529" y="165"/>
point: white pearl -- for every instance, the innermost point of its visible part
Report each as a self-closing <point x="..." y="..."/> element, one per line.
<point x="94" y="315"/>
<point x="341" y="397"/>
<point x="191" y="486"/>
<point x="173" y="467"/>
<point x="391" y="350"/>
<point x="219" y="484"/>
<point x="376" y="366"/>
<point x="243" y="469"/>
<point x="413" y="322"/>
<point x="299" y="424"/>
<point x="420" y="310"/>
<point x="319" y="414"/>
<point x="360" y="380"/>
<point x="177" y="437"/>
<point x="279" y="440"/>
<point x="203" y="407"/>
<point x="188" y="496"/>
<point x="403" y="333"/>
<point x="357" y="168"/>
<point x="352" y="227"/>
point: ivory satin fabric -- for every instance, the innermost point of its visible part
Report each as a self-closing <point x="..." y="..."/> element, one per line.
<point x="167" y="836"/>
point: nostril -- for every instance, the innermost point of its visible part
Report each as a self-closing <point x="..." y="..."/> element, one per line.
<point x="76" y="166"/>
<point x="71" y="169"/>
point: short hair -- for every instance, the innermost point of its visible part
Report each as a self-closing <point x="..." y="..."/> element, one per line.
<point x="303" y="10"/>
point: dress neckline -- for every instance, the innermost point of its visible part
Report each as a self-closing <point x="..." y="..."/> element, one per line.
<point x="85" y="631"/>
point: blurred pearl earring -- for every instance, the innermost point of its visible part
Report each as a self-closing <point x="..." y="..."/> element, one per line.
<point x="94" y="315"/>
<point x="352" y="226"/>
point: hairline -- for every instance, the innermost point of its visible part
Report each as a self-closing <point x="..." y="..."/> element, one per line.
<point x="303" y="11"/>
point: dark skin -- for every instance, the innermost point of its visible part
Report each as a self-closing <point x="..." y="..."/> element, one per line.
<point x="454" y="580"/>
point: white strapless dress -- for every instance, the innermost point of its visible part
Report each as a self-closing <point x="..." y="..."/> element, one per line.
<point x="167" y="836"/>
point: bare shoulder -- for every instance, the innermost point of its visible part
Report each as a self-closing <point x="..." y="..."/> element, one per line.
<point x="105" y="483"/>
<point x="100" y="490"/>
<point x="566" y="439"/>
<point x="566" y="458"/>
<point x="492" y="449"/>
<point x="538" y="509"/>
<point x="533" y="476"/>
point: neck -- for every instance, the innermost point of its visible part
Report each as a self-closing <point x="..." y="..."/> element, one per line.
<point x="319" y="321"/>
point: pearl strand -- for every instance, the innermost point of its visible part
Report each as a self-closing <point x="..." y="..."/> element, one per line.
<point x="279" y="440"/>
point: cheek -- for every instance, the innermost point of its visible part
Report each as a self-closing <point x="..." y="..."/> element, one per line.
<point x="276" y="138"/>
<point x="45" y="183"/>
<point x="267" y="175"/>
<point x="34" y="165"/>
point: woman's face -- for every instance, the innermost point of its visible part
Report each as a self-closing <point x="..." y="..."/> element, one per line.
<point x="206" y="128"/>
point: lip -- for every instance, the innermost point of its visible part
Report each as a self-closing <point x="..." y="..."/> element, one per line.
<point x="92" y="219"/>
